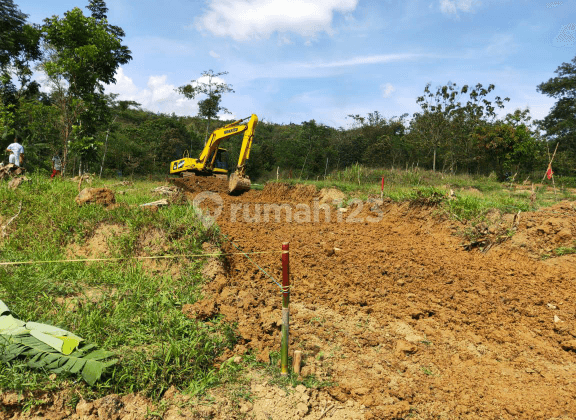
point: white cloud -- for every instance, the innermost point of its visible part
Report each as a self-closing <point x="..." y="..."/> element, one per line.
<point x="213" y="54"/>
<point x="451" y="7"/>
<point x="158" y="96"/>
<point x="369" y="59"/>
<point x="284" y="40"/>
<point x="387" y="90"/>
<point x="501" y="45"/>
<point x="243" y="20"/>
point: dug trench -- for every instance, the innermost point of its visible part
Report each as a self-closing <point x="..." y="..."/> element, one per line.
<point x="391" y="310"/>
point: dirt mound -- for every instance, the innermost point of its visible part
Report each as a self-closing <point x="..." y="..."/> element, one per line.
<point x="96" y="245"/>
<point x="152" y="242"/>
<point x="330" y="195"/>
<point x="282" y="192"/>
<point x="546" y="232"/>
<point x="102" y="196"/>
<point x="195" y="184"/>
<point x="297" y="403"/>
<point x="396" y="315"/>
<point x="266" y="402"/>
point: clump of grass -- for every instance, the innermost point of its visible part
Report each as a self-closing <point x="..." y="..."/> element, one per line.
<point x="564" y="251"/>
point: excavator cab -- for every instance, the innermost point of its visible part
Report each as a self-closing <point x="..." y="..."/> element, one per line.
<point x="221" y="161"/>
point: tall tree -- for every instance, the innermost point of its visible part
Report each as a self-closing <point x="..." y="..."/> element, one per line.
<point x="19" y="47"/>
<point x="448" y="124"/>
<point x="208" y="85"/>
<point x="560" y="123"/>
<point x="84" y="53"/>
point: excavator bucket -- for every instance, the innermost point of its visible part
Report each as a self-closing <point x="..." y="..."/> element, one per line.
<point x="238" y="183"/>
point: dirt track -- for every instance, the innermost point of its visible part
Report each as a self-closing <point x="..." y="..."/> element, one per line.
<point x="400" y="317"/>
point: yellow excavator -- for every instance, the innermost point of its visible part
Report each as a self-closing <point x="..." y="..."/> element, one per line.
<point x="212" y="160"/>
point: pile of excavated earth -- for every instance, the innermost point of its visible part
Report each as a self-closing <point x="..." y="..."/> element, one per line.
<point x="391" y="308"/>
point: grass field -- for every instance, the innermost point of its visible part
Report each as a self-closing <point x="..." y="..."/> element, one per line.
<point x="130" y="311"/>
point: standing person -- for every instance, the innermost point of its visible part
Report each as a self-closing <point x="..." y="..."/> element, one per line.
<point x="56" y="166"/>
<point x="16" y="152"/>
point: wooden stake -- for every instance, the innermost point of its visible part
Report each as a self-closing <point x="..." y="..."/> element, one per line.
<point x="297" y="362"/>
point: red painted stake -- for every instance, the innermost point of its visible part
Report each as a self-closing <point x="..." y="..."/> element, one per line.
<point x="382" y="189"/>
<point x="285" y="309"/>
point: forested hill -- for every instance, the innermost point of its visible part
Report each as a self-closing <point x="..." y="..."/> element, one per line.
<point x="458" y="129"/>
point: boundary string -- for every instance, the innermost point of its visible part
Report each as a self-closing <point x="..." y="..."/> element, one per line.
<point x="252" y="261"/>
<point x="136" y="258"/>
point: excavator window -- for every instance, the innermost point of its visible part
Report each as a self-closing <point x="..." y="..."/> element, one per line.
<point x="221" y="161"/>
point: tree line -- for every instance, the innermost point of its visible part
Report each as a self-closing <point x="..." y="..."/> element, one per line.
<point x="458" y="129"/>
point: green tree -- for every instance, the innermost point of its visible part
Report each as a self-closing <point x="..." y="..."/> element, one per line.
<point x="560" y="123"/>
<point x="445" y="124"/>
<point x="432" y="126"/>
<point x="507" y="145"/>
<point x="207" y="85"/>
<point x="84" y="53"/>
<point x="19" y="46"/>
<point x="380" y="138"/>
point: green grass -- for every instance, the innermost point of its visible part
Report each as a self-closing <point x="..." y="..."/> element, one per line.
<point x="135" y="313"/>
<point x="473" y="196"/>
<point x="565" y="251"/>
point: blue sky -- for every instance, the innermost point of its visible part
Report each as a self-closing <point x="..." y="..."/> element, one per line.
<point x="297" y="60"/>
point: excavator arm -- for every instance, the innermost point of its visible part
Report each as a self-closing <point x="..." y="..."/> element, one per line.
<point x="247" y="143"/>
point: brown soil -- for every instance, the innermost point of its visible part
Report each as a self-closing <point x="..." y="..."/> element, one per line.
<point x="396" y="313"/>
<point x="540" y="233"/>
<point x="201" y="183"/>
<point x="96" y="245"/>
<point x="102" y="196"/>
<point x="401" y="317"/>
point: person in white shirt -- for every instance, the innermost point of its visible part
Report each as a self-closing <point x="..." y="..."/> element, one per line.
<point x="16" y="153"/>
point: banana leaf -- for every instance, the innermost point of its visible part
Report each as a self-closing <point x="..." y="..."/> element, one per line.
<point x="51" y="348"/>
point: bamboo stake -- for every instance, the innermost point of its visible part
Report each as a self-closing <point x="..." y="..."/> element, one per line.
<point x="285" y="307"/>
<point x="551" y="160"/>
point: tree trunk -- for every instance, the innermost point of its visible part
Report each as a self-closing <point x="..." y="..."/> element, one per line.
<point x="434" y="161"/>
<point x="105" y="148"/>
<point x="206" y="137"/>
